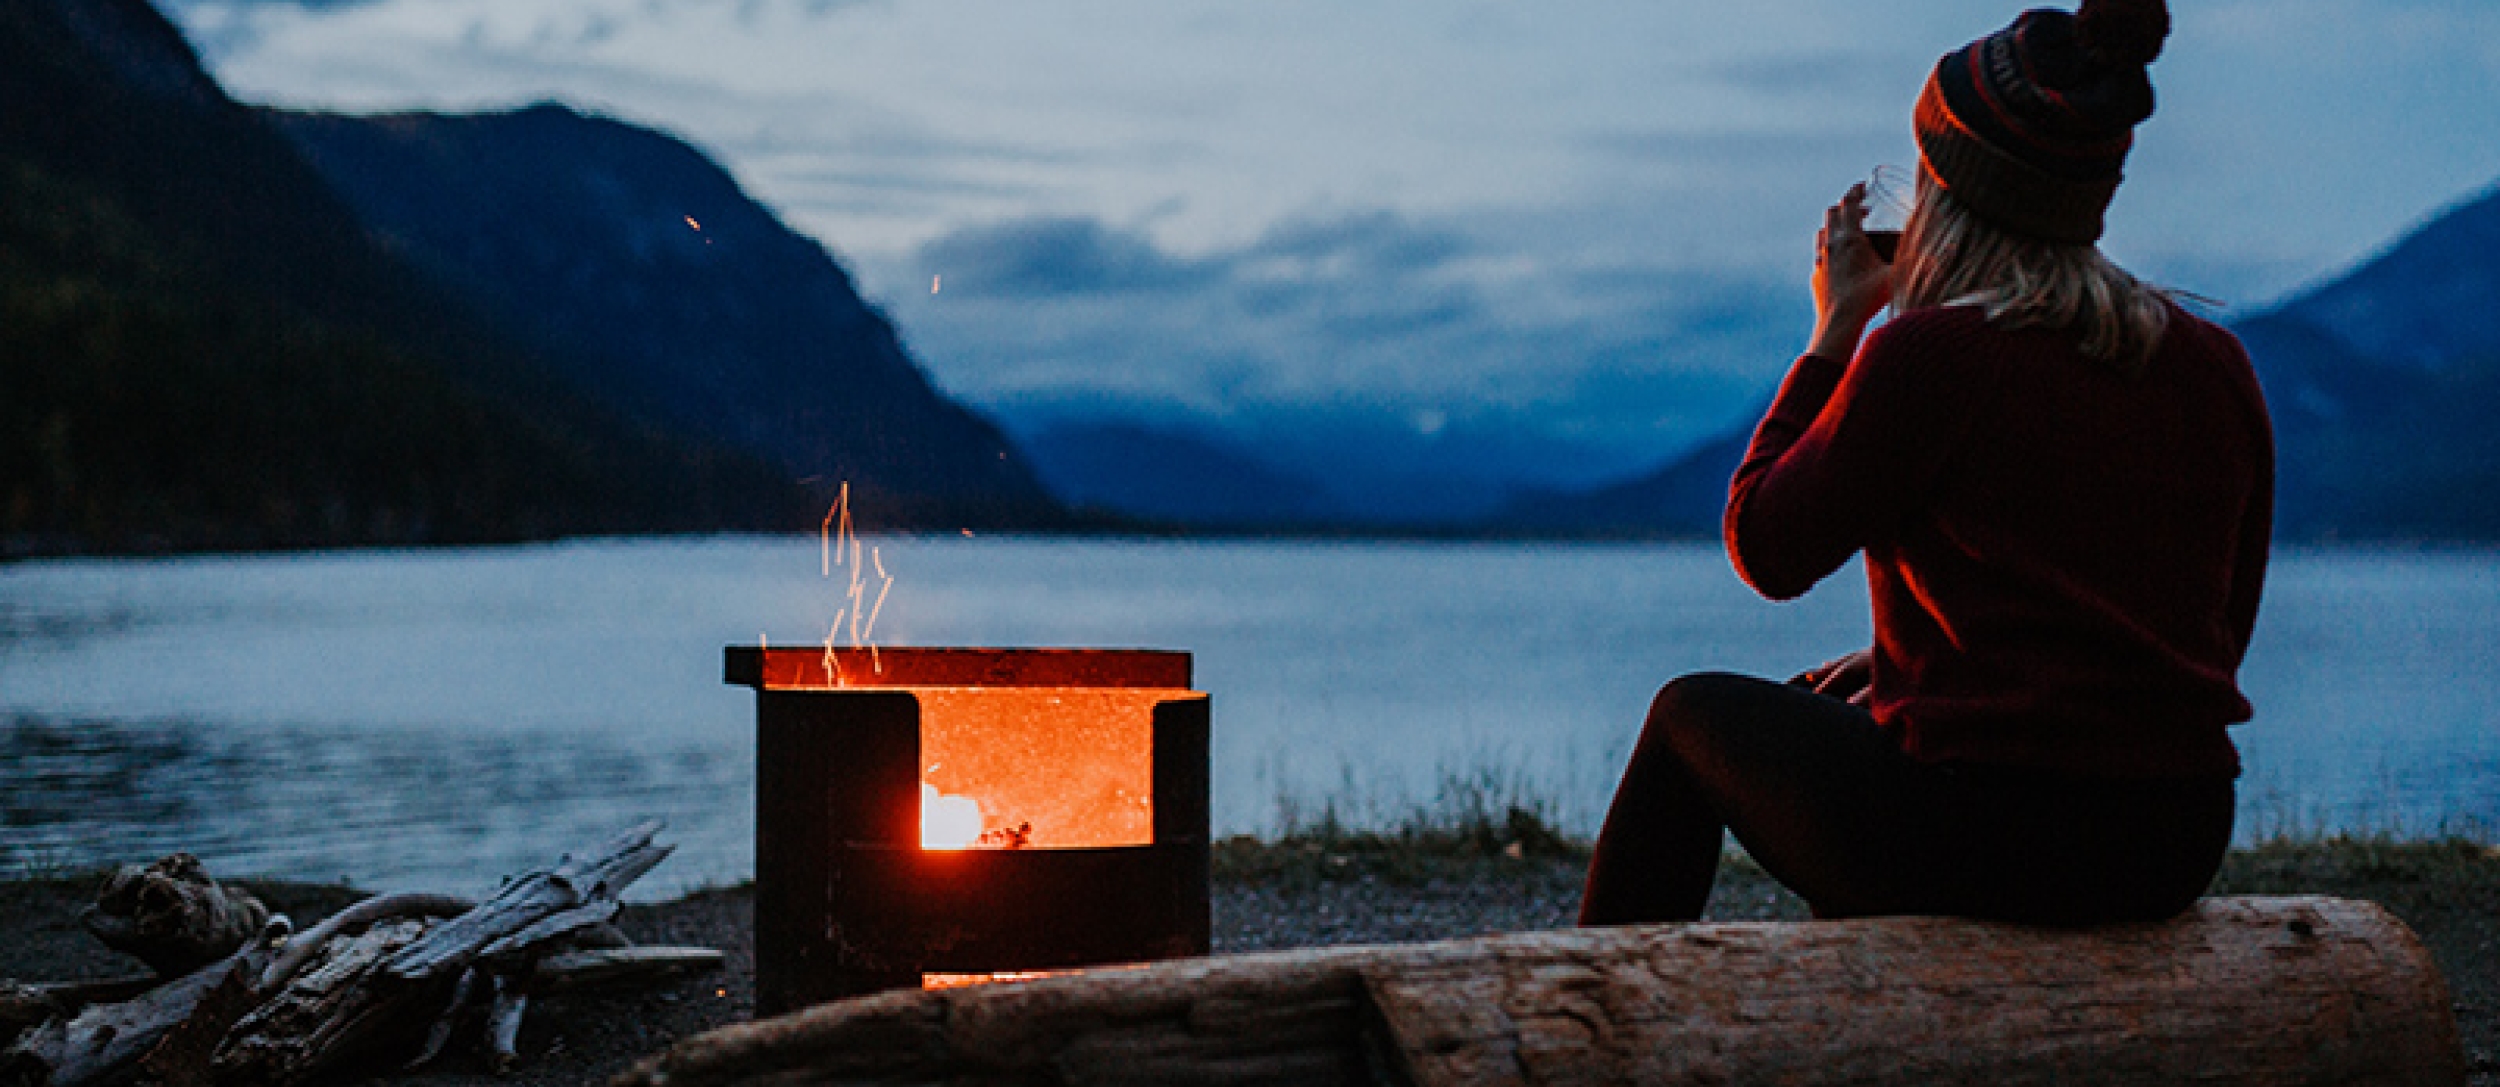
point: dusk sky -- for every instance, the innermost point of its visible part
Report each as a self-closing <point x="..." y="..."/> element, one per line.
<point x="1590" y="221"/>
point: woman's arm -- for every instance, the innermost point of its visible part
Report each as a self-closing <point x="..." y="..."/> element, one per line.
<point x="1847" y="451"/>
<point x="1851" y="286"/>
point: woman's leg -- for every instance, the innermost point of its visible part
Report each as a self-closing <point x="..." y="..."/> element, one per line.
<point x="1828" y="804"/>
<point x="1819" y="795"/>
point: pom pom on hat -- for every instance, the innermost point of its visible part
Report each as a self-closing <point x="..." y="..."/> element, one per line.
<point x="2123" y="32"/>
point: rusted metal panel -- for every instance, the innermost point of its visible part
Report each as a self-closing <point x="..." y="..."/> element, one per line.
<point x="1182" y="764"/>
<point x="989" y="910"/>
<point x="826" y="771"/>
<point x="805" y="667"/>
<point x="848" y="901"/>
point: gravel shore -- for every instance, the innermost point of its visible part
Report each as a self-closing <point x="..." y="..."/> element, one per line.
<point x="1295" y="895"/>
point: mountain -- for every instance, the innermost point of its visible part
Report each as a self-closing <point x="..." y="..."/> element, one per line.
<point x="209" y="338"/>
<point x="1172" y="475"/>
<point x="640" y="271"/>
<point x="2381" y="383"/>
<point x="1681" y="499"/>
<point x="199" y="346"/>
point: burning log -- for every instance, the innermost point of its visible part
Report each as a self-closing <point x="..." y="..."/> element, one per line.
<point x="171" y="916"/>
<point x="2298" y="990"/>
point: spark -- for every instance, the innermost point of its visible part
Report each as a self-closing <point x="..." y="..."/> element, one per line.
<point x="934" y="281"/>
<point x="698" y="227"/>
<point x="823" y="533"/>
<point x="873" y="610"/>
<point x="839" y="545"/>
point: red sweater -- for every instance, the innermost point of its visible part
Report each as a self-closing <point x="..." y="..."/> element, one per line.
<point x="2064" y="562"/>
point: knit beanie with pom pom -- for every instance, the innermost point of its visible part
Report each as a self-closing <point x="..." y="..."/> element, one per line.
<point x="2029" y="127"/>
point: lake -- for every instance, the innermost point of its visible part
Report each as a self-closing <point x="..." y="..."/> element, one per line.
<point x="436" y="719"/>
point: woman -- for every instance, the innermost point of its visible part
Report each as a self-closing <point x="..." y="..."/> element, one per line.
<point x="2062" y="484"/>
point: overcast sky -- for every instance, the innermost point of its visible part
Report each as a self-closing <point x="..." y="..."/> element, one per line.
<point x="1595" y="217"/>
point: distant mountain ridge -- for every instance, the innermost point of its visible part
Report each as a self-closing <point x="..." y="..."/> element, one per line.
<point x="640" y="270"/>
<point x="2382" y="383"/>
<point x="1175" y="476"/>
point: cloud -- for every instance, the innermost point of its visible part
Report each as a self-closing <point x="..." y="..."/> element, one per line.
<point x="1593" y="217"/>
<point x="1059" y="258"/>
<point x="1370" y="319"/>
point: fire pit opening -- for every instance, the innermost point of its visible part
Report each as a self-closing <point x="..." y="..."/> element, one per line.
<point x="933" y="813"/>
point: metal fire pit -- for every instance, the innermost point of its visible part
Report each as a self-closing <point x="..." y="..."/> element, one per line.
<point x="1090" y="764"/>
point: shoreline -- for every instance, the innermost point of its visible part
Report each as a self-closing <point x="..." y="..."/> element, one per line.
<point x="1299" y="892"/>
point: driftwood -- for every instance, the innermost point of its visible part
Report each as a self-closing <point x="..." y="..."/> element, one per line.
<point x="578" y="894"/>
<point x="23" y="1006"/>
<point x="407" y="979"/>
<point x="105" y="1042"/>
<point x="328" y="1012"/>
<point x="621" y="965"/>
<point x="171" y="916"/>
<point x="2247" y="990"/>
<point x="402" y="970"/>
<point x="361" y="915"/>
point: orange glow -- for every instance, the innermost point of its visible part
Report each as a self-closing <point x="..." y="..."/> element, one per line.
<point x="966" y="981"/>
<point x="1054" y="749"/>
<point x="1075" y="763"/>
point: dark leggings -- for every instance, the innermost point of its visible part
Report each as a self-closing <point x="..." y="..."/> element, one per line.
<point x="1829" y="805"/>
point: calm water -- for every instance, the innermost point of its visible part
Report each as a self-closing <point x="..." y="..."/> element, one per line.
<point x="437" y="719"/>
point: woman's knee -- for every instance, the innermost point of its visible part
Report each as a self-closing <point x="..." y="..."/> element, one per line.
<point x="1699" y="699"/>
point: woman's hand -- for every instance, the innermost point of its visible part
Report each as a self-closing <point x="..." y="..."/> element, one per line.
<point x="1849" y="678"/>
<point x="1851" y="283"/>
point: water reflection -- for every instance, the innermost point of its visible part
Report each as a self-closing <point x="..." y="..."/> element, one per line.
<point x="434" y="720"/>
<point x="24" y="627"/>
<point x="384" y="808"/>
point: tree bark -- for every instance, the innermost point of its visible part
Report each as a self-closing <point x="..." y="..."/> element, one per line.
<point x="2255" y="990"/>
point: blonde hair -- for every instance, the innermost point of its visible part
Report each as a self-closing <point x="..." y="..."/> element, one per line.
<point x="1950" y="256"/>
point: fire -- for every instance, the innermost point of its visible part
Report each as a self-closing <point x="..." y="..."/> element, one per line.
<point x="948" y="822"/>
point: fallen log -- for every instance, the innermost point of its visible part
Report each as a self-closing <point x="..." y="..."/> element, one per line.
<point x="2299" y="990"/>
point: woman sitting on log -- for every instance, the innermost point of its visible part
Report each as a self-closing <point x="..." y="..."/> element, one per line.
<point x="2062" y="483"/>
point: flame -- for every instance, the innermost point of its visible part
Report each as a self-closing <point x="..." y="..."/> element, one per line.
<point x="946" y="821"/>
